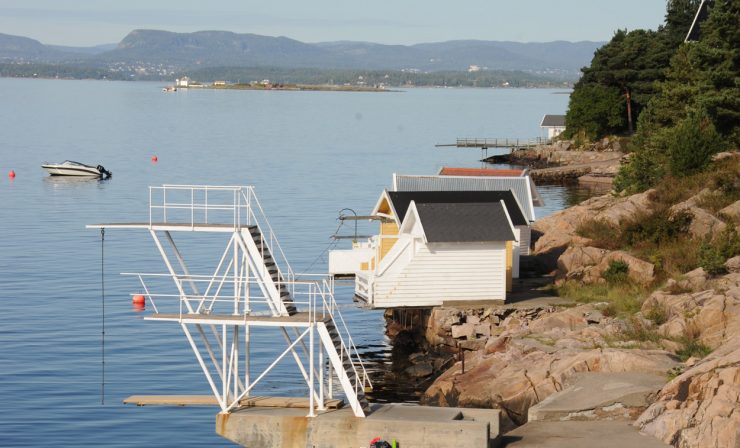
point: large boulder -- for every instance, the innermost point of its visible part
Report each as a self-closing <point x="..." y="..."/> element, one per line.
<point x="703" y="223"/>
<point x="588" y="265"/>
<point x="700" y="408"/>
<point x="513" y="377"/>
<point x="732" y="211"/>
<point x="711" y="316"/>
<point x="559" y="229"/>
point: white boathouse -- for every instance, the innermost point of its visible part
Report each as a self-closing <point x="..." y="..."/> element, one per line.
<point x="443" y="252"/>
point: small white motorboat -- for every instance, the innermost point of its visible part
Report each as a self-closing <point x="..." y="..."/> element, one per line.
<point x="71" y="168"/>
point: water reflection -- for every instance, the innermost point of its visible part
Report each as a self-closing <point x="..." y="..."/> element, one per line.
<point x="72" y="182"/>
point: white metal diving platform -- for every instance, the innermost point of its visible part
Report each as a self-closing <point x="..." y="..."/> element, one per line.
<point x="252" y="286"/>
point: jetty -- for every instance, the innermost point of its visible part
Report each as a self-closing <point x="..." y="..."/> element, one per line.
<point x="253" y="294"/>
<point x="486" y="143"/>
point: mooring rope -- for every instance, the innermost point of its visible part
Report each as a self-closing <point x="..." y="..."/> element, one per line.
<point x="102" y="342"/>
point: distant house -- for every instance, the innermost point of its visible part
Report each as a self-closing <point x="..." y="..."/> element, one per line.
<point x="182" y="82"/>
<point x="701" y="15"/>
<point x="445" y="252"/>
<point x="555" y="125"/>
<point x="219" y="83"/>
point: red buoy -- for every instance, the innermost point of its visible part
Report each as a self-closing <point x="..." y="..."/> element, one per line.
<point x="139" y="301"/>
<point x="155" y="158"/>
<point x="11" y="174"/>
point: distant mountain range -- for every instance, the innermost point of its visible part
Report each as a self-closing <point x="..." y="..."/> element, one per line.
<point x="187" y="51"/>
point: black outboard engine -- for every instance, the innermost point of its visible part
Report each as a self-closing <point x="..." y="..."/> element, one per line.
<point x="103" y="172"/>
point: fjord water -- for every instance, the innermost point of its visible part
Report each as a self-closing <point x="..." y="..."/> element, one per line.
<point x="309" y="154"/>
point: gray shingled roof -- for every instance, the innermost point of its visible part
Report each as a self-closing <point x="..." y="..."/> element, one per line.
<point x="402" y="199"/>
<point x="525" y="193"/>
<point x="549" y="121"/>
<point x="464" y="222"/>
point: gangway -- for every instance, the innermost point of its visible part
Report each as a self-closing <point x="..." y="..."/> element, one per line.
<point x="252" y="286"/>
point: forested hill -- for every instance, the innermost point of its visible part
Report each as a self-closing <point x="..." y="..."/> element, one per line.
<point x="222" y="48"/>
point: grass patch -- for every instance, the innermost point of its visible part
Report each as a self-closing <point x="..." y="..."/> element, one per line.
<point x="693" y="348"/>
<point x="658" y="314"/>
<point x="623" y="299"/>
<point x="637" y="331"/>
<point x="617" y="272"/>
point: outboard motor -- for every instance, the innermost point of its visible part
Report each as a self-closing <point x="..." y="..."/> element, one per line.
<point x="103" y="172"/>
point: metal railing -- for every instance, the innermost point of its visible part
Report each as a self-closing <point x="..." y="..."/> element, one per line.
<point x="500" y="142"/>
<point x="315" y="297"/>
<point x="235" y="206"/>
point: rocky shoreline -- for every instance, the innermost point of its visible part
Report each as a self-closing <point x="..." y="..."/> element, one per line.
<point x="680" y="348"/>
<point x="563" y="162"/>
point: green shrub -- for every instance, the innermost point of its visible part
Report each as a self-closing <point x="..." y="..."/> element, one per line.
<point x="711" y="259"/>
<point x="693" y="348"/>
<point x="692" y="143"/>
<point x="656" y="228"/>
<point x="617" y="272"/>
<point x="713" y="255"/>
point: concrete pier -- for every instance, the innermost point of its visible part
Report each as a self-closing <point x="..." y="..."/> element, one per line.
<point x="410" y="425"/>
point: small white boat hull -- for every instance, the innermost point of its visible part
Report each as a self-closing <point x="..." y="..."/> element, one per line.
<point x="69" y="168"/>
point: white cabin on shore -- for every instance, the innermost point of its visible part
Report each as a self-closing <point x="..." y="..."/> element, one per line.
<point x="553" y="124"/>
<point x="444" y="252"/>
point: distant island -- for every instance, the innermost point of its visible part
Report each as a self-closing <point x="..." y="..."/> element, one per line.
<point x="153" y="55"/>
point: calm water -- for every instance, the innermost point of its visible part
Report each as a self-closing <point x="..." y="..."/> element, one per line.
<point x="309" y="154"/>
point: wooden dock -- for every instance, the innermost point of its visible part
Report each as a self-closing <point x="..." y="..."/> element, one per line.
<point x="210" y="400"/>
<point x="485" y="143"/>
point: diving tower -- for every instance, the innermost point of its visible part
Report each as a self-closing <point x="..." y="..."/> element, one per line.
<point x="252" y="287"/>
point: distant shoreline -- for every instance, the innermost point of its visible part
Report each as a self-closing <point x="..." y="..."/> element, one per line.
<point x="294" y="87"/>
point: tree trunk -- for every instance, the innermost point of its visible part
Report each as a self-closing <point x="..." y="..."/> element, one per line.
<point x="627" y="95"/>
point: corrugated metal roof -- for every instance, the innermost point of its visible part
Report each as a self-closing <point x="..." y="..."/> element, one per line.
<point x="402" y="199"/>
<point x="449" y="171"/>
<point x="520" y="186"/>
<point x="465" y="222"/>
<point x="552" y="121"/>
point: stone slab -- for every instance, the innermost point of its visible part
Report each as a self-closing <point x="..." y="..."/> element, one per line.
<point x="601" y="434"/>
<point x="591" y="394"/>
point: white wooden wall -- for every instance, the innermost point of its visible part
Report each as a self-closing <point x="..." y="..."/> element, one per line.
<point x="525" y="239"/>
<point x="444" y="272"/>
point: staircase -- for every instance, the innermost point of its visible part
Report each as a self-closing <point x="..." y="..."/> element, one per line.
<point x="272" y="269"/>
<point x="345" y="368"/>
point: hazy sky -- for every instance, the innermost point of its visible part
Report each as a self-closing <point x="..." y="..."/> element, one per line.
<point x="91" y="22"/>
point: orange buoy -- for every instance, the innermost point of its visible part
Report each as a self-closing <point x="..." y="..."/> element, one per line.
<point x="139" y="301"/>
<point x="155" y="158"/>
<point x="11" y="174"/>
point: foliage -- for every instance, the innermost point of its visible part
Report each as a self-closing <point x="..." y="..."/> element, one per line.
<point x="692" y="348"/>
<point x="691" y="344"/>
<point x="617" y="272"/>
<point x="595" y="110"/>
<point x="692" y="144"/>
<point x="658" y="314"/>
<point x="697" y="108"/>
<point x="630" y="64"/>
<point x="713" y="254"/>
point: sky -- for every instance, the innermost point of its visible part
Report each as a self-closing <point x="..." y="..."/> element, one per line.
<point x="93" y="22"/>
